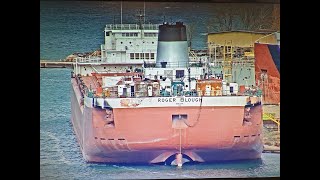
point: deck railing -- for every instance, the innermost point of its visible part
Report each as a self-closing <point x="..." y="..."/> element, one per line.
<point x="211" y="93"/>
<point x="132" y="26"/>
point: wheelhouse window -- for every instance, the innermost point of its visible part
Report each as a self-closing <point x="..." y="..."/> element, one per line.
<point x="150" y="34"/>
<point x="131" y="55"/>
<point x="137" y="56"/>
<point x="129" y="34"/>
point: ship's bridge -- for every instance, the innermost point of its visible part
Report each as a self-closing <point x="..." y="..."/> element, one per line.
<point x="130" y="43"/>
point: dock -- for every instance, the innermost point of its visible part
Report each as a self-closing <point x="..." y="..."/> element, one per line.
<point x="55" y="64"/>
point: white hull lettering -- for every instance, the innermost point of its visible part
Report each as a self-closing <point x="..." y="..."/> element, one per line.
<point x="190" y="99"/>
<point x="167" y="99"/>
<point x="185" y="99"/>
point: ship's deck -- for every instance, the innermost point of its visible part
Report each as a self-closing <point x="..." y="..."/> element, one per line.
<point x="92" y="82"/>
<point x="92" y="86"/>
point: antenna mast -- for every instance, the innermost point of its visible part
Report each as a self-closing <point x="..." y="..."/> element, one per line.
<point x="144" y="12"/>
<point x="121" y="15"/>
<point x="140" y="16"/>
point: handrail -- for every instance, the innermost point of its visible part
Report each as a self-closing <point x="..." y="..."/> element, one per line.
<point x="202" y="93"/>
<point x="132" y="26"/>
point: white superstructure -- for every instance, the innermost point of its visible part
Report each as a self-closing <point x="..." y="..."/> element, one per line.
<point x="127" y="47"/>
<point x="130" y="43"/>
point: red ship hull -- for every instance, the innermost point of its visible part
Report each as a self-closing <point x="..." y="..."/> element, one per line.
<point x="150" y="135"/>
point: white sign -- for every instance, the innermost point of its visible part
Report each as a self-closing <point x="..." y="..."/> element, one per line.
<point x="177" y="101"/>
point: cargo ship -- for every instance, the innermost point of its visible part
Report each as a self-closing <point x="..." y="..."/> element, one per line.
<point x="125" y="110"/>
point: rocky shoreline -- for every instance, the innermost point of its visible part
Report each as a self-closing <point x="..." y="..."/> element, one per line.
<point x="271" y="140"/>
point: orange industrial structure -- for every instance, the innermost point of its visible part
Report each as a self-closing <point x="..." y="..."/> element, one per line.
<point x="267" y="71"/>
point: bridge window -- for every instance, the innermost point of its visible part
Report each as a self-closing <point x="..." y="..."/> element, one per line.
<point x="152" y="55"/>
<point x="131" y="55"/>
<point x="129" y="34"/>
<point x="150" y="34"/>
<point x="137" y="56"/>
<point x="147" y="55"/>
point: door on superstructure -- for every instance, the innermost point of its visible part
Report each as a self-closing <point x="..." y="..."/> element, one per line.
<point x="132" y="91"/>
<point x="124" y="92"/>
<point x="149" y="91"/>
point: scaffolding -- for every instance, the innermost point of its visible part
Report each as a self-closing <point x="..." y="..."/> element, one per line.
<point x="227" y="61"/>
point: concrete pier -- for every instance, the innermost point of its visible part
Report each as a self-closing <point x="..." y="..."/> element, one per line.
<point x="55" y="64"/>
